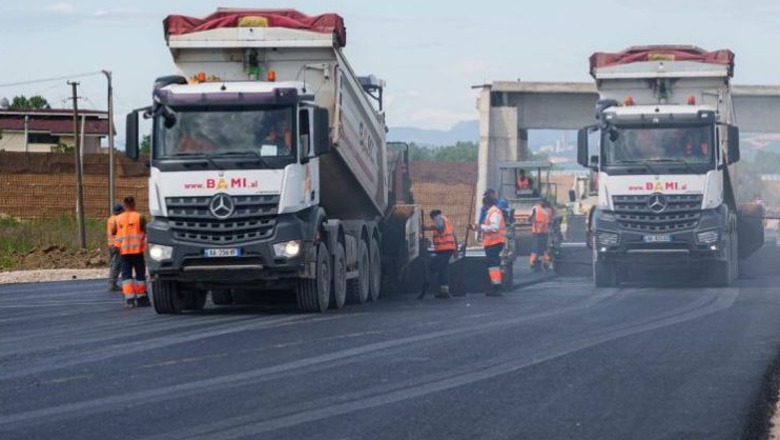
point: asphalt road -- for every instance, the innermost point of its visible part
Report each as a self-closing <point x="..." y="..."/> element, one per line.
<point x="554" y="361"/>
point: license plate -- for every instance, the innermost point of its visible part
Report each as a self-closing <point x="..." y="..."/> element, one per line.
<point x="223" y="252"/>
<point x="658" y="238"/>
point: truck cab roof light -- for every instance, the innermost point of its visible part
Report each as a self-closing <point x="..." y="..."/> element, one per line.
<point x="272" y="75"/>
<point x="201" y="77"/>
<point x="691" y="100"/>
<point x="629" y="101"/>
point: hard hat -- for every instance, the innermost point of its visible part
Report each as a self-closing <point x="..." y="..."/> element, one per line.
<point x="118" y="208"/>
<point x="488" y="192"/>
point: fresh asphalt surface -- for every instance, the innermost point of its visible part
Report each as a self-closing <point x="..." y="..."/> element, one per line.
<point x="557" y="360"/>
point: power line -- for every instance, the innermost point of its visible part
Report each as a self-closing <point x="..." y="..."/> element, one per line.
<point x="45" y="80"/>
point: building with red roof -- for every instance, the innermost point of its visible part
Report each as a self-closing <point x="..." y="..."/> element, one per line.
<point x="42" y="130"/>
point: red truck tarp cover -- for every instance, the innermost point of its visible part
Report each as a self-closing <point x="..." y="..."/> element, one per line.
<point x="661" y="53"/>
<point x="287" y="18"/>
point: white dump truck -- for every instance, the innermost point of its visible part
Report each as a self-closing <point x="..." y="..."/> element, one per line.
<point x="667" y="165"/>
<point x="269" y="167"/>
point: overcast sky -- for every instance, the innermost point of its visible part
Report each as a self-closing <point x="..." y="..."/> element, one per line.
<point x="429" y="52"/>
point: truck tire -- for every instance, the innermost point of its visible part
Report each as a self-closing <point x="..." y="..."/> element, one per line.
<point x="338" y="291"/>
<point x="314" y="295"/>
<point x="194" y="299"/>
<point x="222" y="297"/>
<point x="357" y="288"/>
<point x="165" y="297"/>
<point x="604" y="274"/>
<point x="723" y="273"/>
<point x="375" y="272"/>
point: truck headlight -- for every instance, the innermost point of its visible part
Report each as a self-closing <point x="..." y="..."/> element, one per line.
<point x="707" y="237"/>
<point x="158" y="252"/>
<point x="288" y="249"/>
<point x="607" y="239"/>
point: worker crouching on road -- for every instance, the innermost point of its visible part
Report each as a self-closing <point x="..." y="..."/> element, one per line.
<point x="541" y="218"/>
<point x="493" y="239"/>
<point x="131" y="240"/>
<point x="114" y="259"/>
<point x="444" y="246"/>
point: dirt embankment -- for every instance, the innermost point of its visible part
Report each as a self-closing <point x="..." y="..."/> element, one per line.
<point x="58" y="257"/>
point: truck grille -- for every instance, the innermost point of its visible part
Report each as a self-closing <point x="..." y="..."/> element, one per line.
<point x="253" y="218"/>
<point x="634" y="214"/>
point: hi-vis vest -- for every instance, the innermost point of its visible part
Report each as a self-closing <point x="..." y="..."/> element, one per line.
<point x="110" y="225"/>
<point x="130" y="239"/>
<point x="542" y="217"/>
<point x="490" y="238"/>
<point x="444" y="241"/>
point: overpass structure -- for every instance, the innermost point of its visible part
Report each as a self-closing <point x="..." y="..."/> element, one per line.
<point x="508" y="109"/>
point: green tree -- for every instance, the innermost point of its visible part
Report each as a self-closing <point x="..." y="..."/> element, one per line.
<point x="146" y="144"/>
<point x="63" y="148"/>
<point x="21" y="102"/>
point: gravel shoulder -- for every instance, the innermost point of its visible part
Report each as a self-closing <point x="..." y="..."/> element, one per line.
<point x="47" y="275"/>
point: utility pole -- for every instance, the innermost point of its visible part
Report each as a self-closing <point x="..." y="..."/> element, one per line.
<point x="77" y="155"/>
<point x="111" y="177"/>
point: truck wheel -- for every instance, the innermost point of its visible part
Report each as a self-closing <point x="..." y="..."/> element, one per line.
<point x="314" y="295"/>
<point x="222" y="297"/>
<point x="194" y="299"/>
<point x="604" y="274"/>
<point x="357" y="288"/>
<point x="722" y="273"/>
<point x="338" y="292"/>
<point x="375" y="258"/>
<point x="165" y="296"/>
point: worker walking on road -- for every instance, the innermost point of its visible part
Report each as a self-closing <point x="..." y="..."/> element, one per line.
<point x="131" y="239"/>
<point x="114" y="260"/>
<point x="541" y="218"/>
<point x="493" y="231"/>
<point x="444" y="246"/>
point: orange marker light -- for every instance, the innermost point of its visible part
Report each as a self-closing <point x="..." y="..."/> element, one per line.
<point x="202" y="77"/>
<point x="271" y="75"/>
<point x="629" y="100"/>
<point x="691" y="100"/>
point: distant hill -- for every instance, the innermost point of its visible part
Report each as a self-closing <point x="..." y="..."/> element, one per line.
<point x="466" y="131"/>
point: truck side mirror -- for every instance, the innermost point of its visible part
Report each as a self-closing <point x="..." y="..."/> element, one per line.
<point x="733" y="146"/>
<point x="131" y="136"/>
<point x="582" y="146"/>
<point x="321" y="132"/>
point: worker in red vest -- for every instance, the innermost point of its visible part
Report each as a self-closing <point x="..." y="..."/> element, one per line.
<point x="114" y="259"/>
<point x="493" y="240"/>
<point x="444" y="246"/>
<point x="541" y="218"/>
<point x="131" y="240"/>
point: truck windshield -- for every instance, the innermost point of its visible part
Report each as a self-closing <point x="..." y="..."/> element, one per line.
<point x="626" y="145"/>
<point x="268" y="133"/>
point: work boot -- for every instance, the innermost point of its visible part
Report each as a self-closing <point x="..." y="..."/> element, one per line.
<point x="143" y="301"/>
<point x="444" y="293"/>
<point x="130" y="303"/>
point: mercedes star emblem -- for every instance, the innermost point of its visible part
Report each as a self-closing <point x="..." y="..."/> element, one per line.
<point x="656" y="203"/>
<point x="222" y="206"/>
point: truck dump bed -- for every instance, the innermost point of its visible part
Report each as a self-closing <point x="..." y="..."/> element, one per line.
<point x="289" y="46"/>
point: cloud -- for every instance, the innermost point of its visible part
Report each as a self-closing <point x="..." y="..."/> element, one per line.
<point x="413" y="93"/>
<point x="61" y="7"/>
<point x="437" y="118"/>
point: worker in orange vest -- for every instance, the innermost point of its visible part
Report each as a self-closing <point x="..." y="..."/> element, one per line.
<point x="493" y="240"/>
<point x="114" y="260"/>
<point x="541" y="218"/>
<point x="444" y="246"/>
<point x="131" y="240"/>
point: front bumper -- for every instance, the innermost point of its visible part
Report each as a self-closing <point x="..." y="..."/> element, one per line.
<point x="256" y="265"/>
<point x="681" y="247"/>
